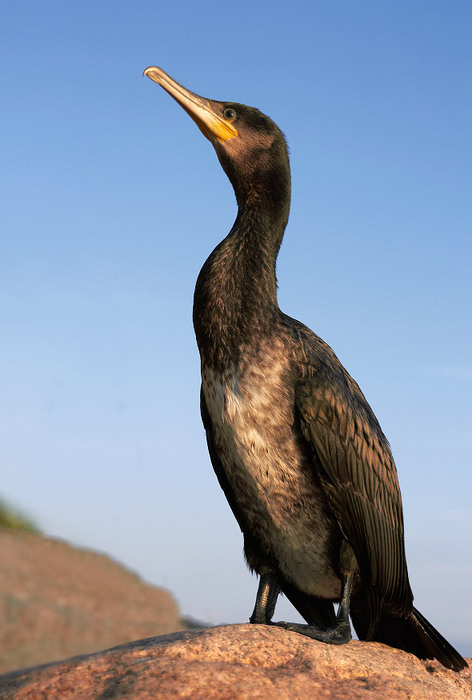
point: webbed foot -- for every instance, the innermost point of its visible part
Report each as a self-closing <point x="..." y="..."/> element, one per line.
<point x="340" y="633"/>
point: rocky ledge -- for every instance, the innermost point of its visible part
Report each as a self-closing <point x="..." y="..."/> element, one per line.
<point x="240" y="661"/>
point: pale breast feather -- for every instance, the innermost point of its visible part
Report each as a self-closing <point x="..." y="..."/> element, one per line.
<point x="270" y="478"/>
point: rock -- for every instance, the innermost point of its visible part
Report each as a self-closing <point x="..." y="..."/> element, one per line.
<point x="57" y="600"/>
<point x="241" y="661"/>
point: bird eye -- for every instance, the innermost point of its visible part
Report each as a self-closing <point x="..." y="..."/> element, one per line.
<point x="229" y="114"/>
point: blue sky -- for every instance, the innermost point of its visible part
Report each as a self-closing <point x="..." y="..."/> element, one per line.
<point x="110" y="202"/>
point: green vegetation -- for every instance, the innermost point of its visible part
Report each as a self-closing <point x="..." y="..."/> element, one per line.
<point x="12" y="520"/>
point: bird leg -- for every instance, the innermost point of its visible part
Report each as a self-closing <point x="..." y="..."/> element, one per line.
<point x="340" y="632"/>
<point x="267" y="595"/>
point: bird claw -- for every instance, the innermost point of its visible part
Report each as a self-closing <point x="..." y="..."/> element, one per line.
<point x="340" y="633"/>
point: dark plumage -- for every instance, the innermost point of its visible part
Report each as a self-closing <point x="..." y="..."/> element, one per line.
<point x="297" y="450"/>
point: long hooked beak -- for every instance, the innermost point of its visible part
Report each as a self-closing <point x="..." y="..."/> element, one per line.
<point x="205" y="113"/>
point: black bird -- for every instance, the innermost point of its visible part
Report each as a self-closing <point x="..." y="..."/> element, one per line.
<point x="297" y="450"/>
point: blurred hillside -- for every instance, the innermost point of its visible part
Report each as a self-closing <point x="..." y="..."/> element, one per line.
<point x="14" y="520"/>
<point x="57" y="601"/>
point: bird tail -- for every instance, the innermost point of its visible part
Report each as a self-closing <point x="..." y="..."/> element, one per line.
<point x="413" y="634"/>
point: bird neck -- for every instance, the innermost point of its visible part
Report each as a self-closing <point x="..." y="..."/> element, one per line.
<point x="236" y="292"/>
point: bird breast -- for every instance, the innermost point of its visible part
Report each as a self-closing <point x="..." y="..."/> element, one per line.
<point x="270" y="474"/>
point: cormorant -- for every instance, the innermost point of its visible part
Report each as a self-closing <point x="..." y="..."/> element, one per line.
<point x="298" y="452"/>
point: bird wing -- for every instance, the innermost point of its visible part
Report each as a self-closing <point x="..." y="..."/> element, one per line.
<point x="357" y="471"/>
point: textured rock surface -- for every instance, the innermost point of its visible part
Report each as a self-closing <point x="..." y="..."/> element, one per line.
<point x="57" y="601"/>
<point x="241" y="661"/>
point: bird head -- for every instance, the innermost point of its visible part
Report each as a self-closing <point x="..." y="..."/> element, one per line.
<point x="250" y="146"/>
